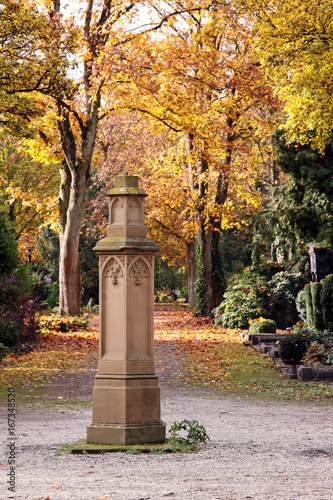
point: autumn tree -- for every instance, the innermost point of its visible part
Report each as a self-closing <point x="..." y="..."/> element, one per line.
<point x="33" y="57"/>
<point x="199" y="78"/>
<point x="74" y="107"/>
<point x="106" y="26"/>
<point x="126" y="144"/>
<point x="295" y="40"/>
<point x="28" y="189"/>
<point x="78" y="113"/>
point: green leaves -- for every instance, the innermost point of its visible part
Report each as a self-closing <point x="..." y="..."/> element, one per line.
<point x="194" y="433"/>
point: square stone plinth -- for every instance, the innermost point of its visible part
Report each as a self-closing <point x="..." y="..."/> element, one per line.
<point x="126" y="399"/>
<point x="125" y="434"/>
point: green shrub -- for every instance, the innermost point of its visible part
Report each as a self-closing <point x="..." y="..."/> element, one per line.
<point x="250" y="295"/>
<point x="317" y="313"/>
<point x="326" y="297"/>
<point x="262" y="326"/>
<point x="9" y="335"/>
<point x="195" y="433"/>
<point x="293" y="347"/>
<point x="243" y="300"/>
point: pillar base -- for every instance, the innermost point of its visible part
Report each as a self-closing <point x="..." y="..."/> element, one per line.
<point x="126" y="434"/>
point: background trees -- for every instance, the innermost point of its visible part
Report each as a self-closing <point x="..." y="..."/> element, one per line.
<point x="33" y="57"/>
<point x="28" y="189"/>
<point x="299" y="209"/>
<point x="200" y="79"/>
<point x="179" y="97"/>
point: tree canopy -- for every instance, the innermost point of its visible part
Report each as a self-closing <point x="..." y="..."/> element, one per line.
<point x="296" y="49"/>
<point x="34" y="52"/>
<point x="199" y="77"/>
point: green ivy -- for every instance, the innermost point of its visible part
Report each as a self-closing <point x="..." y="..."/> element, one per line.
<point x="301" y="305"/>
<point x="201" y="283"/>
<point x="326" y="298"/>
<point x="316" y="305"/>
<point x="218" y="262"/>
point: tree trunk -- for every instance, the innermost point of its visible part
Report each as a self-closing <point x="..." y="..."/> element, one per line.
<point x="77" y="150"/>
<point x="191" y="274"/>
<point x="209" y="284"/>
<point x="74" y="178"/>
<point x="203" y="287"/>
<point x="69" y="265"/>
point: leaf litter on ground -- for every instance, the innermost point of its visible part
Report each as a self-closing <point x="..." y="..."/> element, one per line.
<point x="217" y="358"/>
<point x="56" y="352"/>
<point x="210" y="357"/>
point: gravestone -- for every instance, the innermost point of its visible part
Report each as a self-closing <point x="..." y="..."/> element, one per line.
<point x="318" y="262"/>
<point x="126" y="394"/>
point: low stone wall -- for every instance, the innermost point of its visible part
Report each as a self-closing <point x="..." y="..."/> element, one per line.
<point x="307" y="373"/>
<point x="263" y="344"/>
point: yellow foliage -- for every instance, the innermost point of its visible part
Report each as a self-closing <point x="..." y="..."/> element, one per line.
<point x="296" y="48"/>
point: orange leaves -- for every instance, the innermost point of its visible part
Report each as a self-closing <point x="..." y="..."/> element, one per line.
<point x="198" y="339"/>
<point x="58" y="351"/>
<point x="68" y="332"/>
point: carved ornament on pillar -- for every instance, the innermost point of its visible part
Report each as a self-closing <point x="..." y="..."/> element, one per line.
<point x="113" y="270"/>
<point x="139" y="270"/>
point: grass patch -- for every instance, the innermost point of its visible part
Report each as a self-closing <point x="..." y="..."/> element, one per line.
<point x="84" y="448"/>
<point x="239" y="369"/>
<point x="39" y="367"/>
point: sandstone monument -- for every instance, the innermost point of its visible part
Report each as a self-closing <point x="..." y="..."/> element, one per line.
<point x="126" y="394"/>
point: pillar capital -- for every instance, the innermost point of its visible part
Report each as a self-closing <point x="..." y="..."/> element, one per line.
<point x="126" y="229"/>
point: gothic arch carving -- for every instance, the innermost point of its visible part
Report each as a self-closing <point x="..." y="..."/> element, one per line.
<point x="117" y="211"/>
<point x="114" y="269"/>
<point x="139" y="270"/>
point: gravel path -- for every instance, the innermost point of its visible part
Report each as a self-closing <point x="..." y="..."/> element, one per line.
<point x="257" y="451"/>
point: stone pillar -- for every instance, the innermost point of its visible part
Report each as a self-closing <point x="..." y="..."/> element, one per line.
<point x="126" y="394"/>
